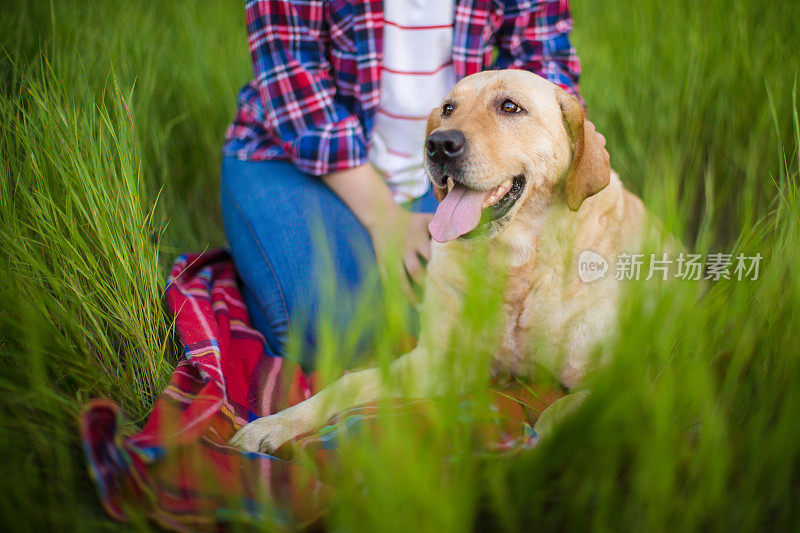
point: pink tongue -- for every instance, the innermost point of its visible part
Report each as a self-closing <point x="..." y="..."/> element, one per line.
<point x="459" y="213"/>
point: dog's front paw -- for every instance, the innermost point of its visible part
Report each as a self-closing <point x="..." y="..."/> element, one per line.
<point x="264" y="435"/>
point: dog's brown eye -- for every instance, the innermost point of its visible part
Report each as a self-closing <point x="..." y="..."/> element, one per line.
<point x="510" y="107"/>
<point x="447" y="110"/>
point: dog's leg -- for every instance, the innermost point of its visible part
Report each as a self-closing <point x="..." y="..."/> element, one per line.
<point x="410" y="375"/>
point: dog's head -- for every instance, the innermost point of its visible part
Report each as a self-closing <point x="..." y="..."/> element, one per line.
<point x="500" y="140"/>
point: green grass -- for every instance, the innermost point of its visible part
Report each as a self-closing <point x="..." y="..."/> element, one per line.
<point x="111" y="120"/>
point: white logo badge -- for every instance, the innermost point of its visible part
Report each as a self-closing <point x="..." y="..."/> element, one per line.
<point x="591" y="266"/>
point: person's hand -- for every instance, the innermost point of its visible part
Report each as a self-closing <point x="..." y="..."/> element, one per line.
<point x="409" y="233"/>
<point x="395" y="232"/>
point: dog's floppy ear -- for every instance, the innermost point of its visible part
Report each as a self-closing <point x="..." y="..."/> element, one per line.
<point x="588" y="173"/>
<point x="434" y="120"/>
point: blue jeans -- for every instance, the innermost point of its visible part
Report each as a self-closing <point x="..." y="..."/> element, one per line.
<point x="301" y="254"/>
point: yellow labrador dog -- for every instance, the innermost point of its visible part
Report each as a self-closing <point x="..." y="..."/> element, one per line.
<point x="516" y="169"/>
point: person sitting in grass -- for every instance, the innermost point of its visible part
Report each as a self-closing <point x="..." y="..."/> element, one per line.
<point x="323" y="162"/>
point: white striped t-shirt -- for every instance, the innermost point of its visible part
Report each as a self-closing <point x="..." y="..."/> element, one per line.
<point x="417" y="74"/>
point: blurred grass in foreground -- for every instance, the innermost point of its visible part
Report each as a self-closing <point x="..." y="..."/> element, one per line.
<point x="111" y="121"/>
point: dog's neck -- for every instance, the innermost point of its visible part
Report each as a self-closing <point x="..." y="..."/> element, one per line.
<point x="521" y="239"/>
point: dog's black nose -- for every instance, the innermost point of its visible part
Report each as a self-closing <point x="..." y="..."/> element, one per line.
<point x="445" y="144"/>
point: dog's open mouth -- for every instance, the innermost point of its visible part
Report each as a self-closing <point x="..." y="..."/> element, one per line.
<point x="465" y="211"/>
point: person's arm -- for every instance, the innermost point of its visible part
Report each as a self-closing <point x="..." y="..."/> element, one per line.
<point x="365" y="193"/>
<point x="320" y="135"/>
<point x="293" y="77"/>
<point x="536" y="38"/>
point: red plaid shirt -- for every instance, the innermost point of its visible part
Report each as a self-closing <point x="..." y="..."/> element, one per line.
<point x="317" y="66"/>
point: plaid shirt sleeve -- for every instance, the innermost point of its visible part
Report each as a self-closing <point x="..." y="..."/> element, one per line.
<point x="294" y="83"/>
<point x="534" y="36"/>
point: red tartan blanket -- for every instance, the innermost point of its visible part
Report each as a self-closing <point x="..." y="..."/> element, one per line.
<point x="179" y="470"/>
